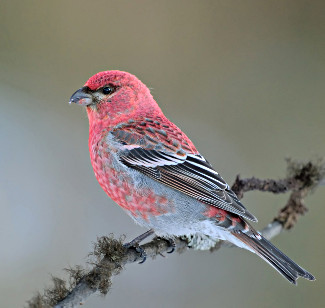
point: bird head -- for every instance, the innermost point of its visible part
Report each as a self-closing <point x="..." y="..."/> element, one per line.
<point x="113" y="96"/>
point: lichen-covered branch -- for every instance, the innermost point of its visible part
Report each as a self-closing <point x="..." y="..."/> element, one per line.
<point x="110" y="256"/>
<point x="301" y="179"/>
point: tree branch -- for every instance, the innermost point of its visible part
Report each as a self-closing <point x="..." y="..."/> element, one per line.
<point x="110" y="256"/>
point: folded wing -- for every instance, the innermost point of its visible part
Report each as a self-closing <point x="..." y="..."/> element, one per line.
<point x="187" y="172"/>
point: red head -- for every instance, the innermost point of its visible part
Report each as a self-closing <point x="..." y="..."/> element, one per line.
<point x="112" y="97"/>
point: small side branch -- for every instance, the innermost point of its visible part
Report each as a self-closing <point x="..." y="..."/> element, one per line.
<point x="302" y="178"/>
<point x="275" y="186"/>
<point x="110" y="257"/>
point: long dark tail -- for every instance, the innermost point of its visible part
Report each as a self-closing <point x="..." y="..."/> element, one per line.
<point x="272" y="255"/>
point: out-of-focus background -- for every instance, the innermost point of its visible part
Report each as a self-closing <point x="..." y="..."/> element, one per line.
<point x="245" y="81"/>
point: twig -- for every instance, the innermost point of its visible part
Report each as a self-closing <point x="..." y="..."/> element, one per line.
<point x="301" y="179"/>
<point x="110" y="256"/>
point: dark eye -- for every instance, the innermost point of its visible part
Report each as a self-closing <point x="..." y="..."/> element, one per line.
<point x="108" y="90"/>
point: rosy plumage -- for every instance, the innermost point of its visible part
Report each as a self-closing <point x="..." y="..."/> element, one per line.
<point x="148" y="166"/>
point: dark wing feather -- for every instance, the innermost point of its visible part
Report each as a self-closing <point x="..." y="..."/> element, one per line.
<point x="190" y="174"/>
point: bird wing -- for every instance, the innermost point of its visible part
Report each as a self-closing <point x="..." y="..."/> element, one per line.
<point x="167" y="160"/>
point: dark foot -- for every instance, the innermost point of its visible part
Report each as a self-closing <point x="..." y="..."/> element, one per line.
<point x="173" y="244"/>
<point x="135" y="244"/>
<point x="142" y="253"/>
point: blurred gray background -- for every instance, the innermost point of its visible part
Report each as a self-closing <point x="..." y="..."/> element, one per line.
<point x="245" y="81"/>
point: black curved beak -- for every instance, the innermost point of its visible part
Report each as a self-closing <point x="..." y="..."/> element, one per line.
<point x="81" y="97"/>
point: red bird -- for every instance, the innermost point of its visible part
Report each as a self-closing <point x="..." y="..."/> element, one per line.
<point x="149" y="167"/>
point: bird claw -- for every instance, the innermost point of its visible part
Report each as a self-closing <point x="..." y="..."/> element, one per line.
<point x="171" y="251"/>
<point x="173" y="244"/>
<point x="142" y="253"/>
<point x="135" y="245"/>
<point x="138" y="249"/>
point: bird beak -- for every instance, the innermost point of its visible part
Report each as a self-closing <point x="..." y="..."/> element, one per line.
<point x="81" y="97"/>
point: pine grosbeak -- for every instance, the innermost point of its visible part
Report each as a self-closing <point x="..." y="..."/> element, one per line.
<point x="149" y="167"/>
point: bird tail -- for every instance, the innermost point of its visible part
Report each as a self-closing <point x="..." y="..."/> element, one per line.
<point x="272" y="255"/>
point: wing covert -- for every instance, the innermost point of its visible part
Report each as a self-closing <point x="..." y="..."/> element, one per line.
<point x="187" y="172"/>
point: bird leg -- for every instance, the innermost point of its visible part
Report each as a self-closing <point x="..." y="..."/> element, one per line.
<point x="135" y="244"/>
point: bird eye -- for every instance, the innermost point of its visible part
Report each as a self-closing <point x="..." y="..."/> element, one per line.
<point x="107" y="90"/>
